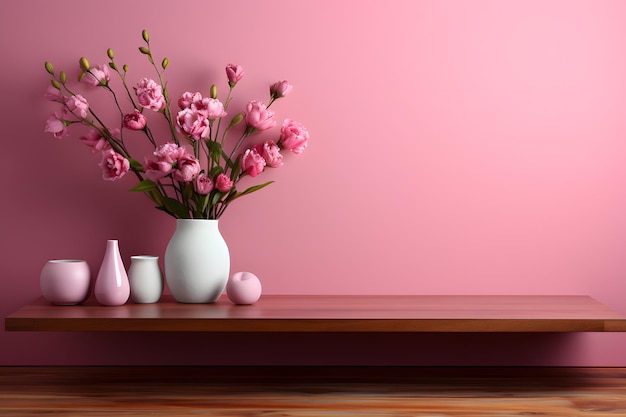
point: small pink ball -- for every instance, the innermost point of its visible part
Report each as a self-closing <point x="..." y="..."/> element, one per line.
<point x="243" y="288"/>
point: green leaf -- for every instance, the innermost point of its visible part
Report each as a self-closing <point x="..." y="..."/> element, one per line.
<point x="145" y="185"/>
<point x="217" y="196"/>
<point x="187" y="191"/>
<point x="236" y="169"/>
<point x="202" y="202"/>
<point x="213" y="146"/>
<point x="156" y="196"/>
<point x="229" y="163"/>
<point x="176" y="207"/>
<point x="136" y="165"/>
<point x="215" y="150"/>
<point x="165" y="210"/>
<point x="215" y="171"/>
<point x="251" y="190"/>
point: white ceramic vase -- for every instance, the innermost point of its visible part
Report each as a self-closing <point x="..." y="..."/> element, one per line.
<point x="146" y="280"/>
<point x="197" y="261"/>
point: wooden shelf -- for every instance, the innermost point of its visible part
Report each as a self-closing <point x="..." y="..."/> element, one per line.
<point x="289" y="313"/>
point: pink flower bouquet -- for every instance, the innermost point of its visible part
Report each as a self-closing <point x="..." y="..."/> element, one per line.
<point x="194" y="174"/>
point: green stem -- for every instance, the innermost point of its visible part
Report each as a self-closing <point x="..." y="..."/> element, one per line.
<point x="249" y="130"/>
<point x="166" y="110"/>
<point x="219" y="122"/>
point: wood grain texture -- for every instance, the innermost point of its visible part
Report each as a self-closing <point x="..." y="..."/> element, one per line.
<point x="313" y="392"/>
<point x="275" y="313"/>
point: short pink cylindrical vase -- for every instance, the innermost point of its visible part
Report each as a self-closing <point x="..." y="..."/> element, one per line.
<point x="65" y="281"/>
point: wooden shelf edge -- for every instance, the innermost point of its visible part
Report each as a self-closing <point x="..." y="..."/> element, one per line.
<point x="314" y="326"/>
<point x="333" y="314"/>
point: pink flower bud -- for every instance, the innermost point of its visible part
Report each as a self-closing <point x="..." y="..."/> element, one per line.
<point x="280" y="89"/>
<point x="234" y="74"/>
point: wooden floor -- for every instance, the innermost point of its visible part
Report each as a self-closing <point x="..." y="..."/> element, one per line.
<point x="312" y="392"/>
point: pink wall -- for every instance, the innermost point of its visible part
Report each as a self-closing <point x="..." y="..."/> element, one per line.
<point x="457" y="147"/>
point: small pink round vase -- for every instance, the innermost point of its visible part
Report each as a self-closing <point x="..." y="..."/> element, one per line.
<point x="243" y="288"/>
<point x="65" y="281"/>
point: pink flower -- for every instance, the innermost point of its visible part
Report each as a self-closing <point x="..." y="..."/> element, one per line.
<point x="54" y="94"/>
<point x="270" y="153"/>
<point x="168" y="152"/>
<point x="155" y="170"/>
<point x="259" y="117"/>
<point x="94" y="139"/>
<point x="98" y="75"/>
<point x="135" y="120"/>
<point x="172" y="159"/>
<point x="78" y="106"/>
<point x="150" y="94"/>
<point x="203" y="184"/>
<point x="188" y="98"/>
<point x="210" y="108"/>
<point x="214" y="109"/>
<point x="252" y="163"/>
<point x="114" y="166"/>
<point x="56" y="125"/>
<point x="234" y="74"/>
<point x="223" y="183"/>
<point x="293" y="136"/>
<point x="187" y="168"/>
<point x="280" y="89"/>
<point x="192" y="122"/>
